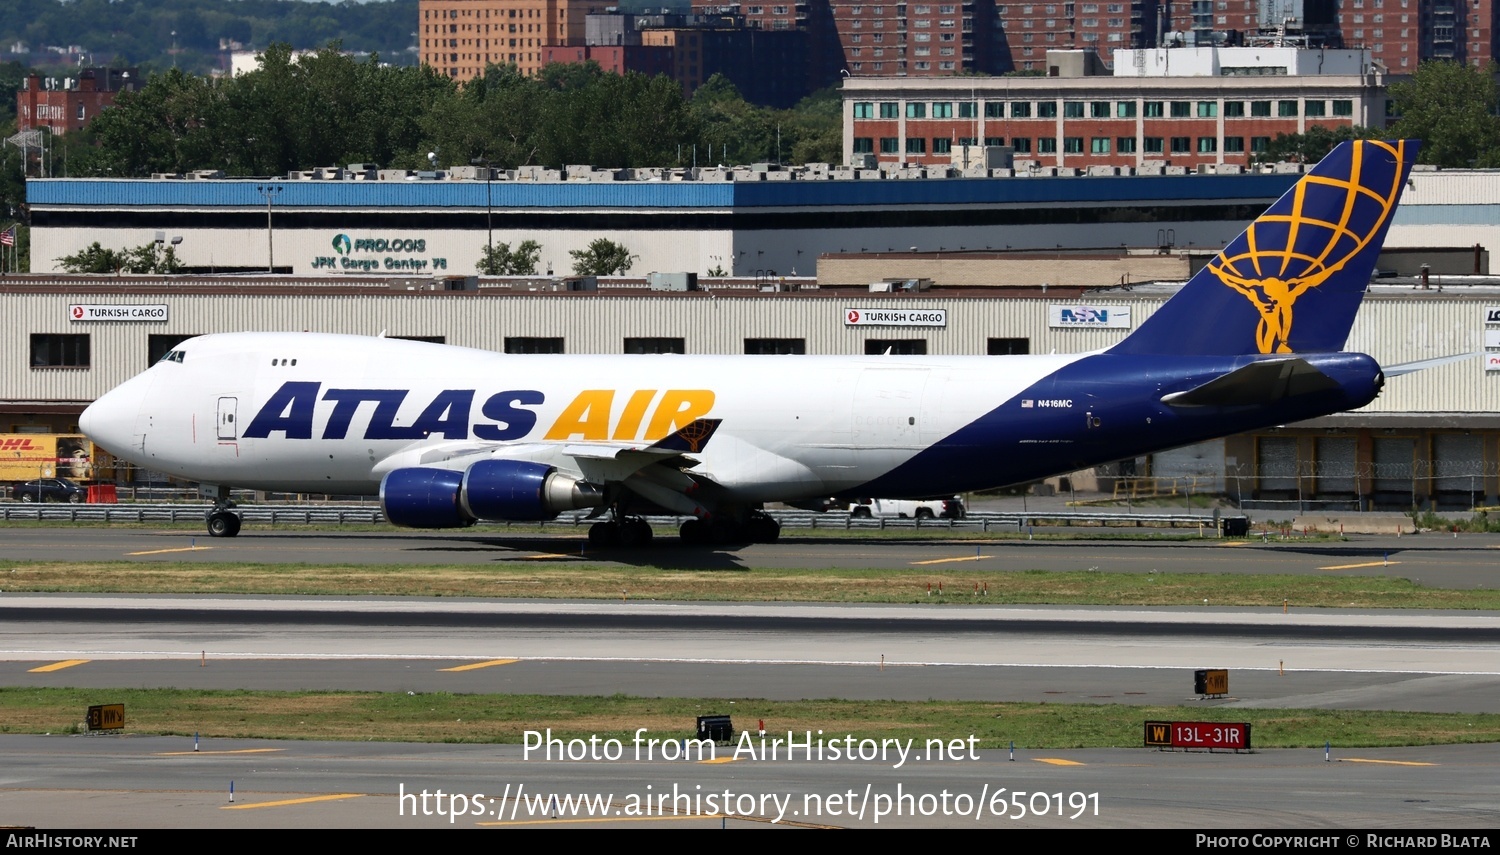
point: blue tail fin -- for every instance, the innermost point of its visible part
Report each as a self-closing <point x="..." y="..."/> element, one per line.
<point x="1292" y="282"/>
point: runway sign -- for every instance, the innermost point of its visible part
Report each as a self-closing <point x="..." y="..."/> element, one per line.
<point x="107" y="717"/>
<point x="1198" y="734"/>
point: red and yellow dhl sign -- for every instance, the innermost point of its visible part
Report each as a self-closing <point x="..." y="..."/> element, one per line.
<point x="19" y="443"/>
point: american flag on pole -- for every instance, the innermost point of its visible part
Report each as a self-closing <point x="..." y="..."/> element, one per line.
<point x="8" y="237"/>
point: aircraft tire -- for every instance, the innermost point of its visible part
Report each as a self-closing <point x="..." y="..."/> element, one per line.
<point x="694" y="532"/>
<point x="602" y="534"/>
<point x="635" y="532"/>
<point x="223" y="524"/>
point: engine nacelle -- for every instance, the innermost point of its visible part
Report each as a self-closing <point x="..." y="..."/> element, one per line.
<point x="522" y="490"/>
<point x="424" y="497"/>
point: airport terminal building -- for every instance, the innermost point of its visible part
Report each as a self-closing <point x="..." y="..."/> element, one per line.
<point x="1431" y="439"/>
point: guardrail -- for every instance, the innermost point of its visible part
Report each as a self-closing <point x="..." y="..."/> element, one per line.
<point x="370" y="514"/>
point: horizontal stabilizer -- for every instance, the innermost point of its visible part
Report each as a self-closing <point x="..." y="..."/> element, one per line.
<point x="1424" y="364"/>
<point x="1257" y="383"/>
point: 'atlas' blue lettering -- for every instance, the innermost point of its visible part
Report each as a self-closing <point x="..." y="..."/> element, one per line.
<point x="290" y="410"/>
<point x="512" y="421"/>
<point x="347" y="402"/>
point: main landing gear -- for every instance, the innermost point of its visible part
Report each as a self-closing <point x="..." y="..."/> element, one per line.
<point x="757" y="527"/>
<point x="222" y="521"/>
<point x="621" y="531"/>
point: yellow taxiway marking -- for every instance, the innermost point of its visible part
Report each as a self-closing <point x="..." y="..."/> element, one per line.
<point x="1357" y="566"/>
<point x="1056" y="761"/>
<point x="1235" y="543"/>
<point x="550" y="555"/>
<point x="606" y="819"/>
<point x="285" y="802"/>
<point x="946" y="560"/>
<point x="179" y="549"/>
<point x="477" y="665"/>
<point x="57" y="666"/>
<point x="718" y="760"/>
<point x="1386" y="762"/>
<point x="235" y="751"/>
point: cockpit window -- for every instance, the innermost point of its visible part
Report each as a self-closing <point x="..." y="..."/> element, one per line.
<point x="173" y="356"/>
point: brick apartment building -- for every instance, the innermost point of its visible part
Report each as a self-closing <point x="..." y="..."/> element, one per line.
<point x="69" y="104"/>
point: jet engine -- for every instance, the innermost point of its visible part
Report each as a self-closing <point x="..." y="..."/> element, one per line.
<point x="422" y="497"/>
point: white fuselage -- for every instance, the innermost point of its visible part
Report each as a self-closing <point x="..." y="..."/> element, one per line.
<point x="332" y="414"/>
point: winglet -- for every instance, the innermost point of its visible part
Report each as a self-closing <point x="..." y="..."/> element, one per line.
<point x="690" y="438"/>
<point x="1292" y="282"/>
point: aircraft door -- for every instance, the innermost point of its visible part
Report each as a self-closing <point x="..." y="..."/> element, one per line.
<point x="227" y="409"/>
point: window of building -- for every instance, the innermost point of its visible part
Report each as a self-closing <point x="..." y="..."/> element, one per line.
<point x="890" y="145"/>
<point x="1343" y="108"/>
<point x="942" y="145"/>
<point x="864" y="145"/>
<point x="1046" y="145"/>
<point x="864" y="110"/>
<point x="1125" y="145"/>
<point x="1125" y="110"/>
<point x="764" y="346"/>
<point x="942" y="109"/>
<point x="1234" y="109"/>
<point x="1152" y="145"/>
<point x="916" y="110"/>
<point x="1208" y="145"/>
<point x="1072" y="109"/>
<point x="916" y="145"/>
<point x="994" y="140"/>
<point x="1234" y="145"/>
<point x="1286" y="108"/>
<point x="967" y="109"/>
<point x="1073" y="145"/>
<point x="1046" y="109"/>
<point x="1260" y="108"/>
<point x="1208" y="109"/>
<point x="1099" y="145"/>
<point x="897" y="346"/>
<point x="1315" y="108"/>
<point x="59" y="351"/>
<point x="1182" y="145"/>
<point x="1099" y="109"/>
<point x="890" y="110"/>
<point x="1022" y="145"/>
<point x="1182" y="109"/>
<point x="1009" y="346"/>
<point x="1020" y="109"/>
<point x="533" y="344"/>
<point x="1152" y="109"/>
<point x="1259" y="145"/>
<point x="655" y="345"/>
<point x="994" y="109"/>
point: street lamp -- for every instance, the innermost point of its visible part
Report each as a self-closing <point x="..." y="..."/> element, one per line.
<point x="489" y="224"/>
<point x="270" y="191"/>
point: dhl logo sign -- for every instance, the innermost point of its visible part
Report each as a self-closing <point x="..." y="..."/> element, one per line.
<point x="302" y="410"/>
<point x="13" y="443"/>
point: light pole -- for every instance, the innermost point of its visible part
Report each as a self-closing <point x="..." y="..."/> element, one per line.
<point x="270" y="191"/>
<point x="489" y="223"/>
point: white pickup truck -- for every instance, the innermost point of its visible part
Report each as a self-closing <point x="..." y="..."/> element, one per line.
<point x="907" y="509"/>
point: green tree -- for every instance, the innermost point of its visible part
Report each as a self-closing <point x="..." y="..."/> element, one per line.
<point x="1313" y="145"/>
<point x="93" y="259"/>
<point x="1451" y="108"/>
<point x="146" y="258"/>
<point x="501" y="260"/>
<point x="603" y="257"/>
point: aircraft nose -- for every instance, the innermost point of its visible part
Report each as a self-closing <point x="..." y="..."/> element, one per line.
<point x="111" y="420"/>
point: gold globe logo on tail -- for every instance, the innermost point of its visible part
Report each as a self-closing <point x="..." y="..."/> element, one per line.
<point x="1284" y="255"/>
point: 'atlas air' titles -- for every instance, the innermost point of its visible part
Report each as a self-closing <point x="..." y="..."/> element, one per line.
<point x="646" y="414"/>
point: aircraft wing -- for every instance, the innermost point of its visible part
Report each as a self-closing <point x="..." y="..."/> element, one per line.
<point x="1257" y="383"/>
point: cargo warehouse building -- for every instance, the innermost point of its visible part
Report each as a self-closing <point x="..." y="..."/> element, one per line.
<point x="1431" y="438"/>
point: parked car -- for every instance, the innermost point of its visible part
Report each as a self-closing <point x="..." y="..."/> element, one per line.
<point x="51" y="490"/>
<point x="952" y="508"/>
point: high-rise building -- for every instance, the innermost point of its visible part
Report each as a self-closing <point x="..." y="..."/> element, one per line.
<point x="460" y="38"/>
